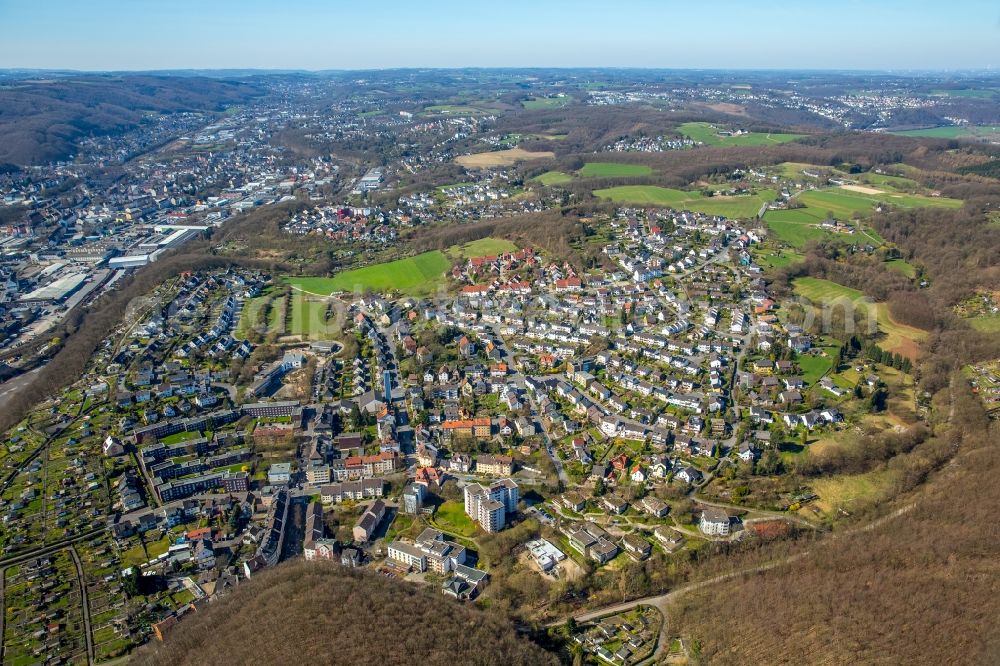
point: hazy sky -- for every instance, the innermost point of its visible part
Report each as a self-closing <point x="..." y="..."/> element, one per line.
<point x="332" y="34"/>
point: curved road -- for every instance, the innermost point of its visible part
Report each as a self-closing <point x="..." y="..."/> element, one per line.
<point x="661" y="601"/>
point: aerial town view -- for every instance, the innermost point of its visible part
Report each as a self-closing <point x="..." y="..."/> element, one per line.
<point x="600" y="344"/>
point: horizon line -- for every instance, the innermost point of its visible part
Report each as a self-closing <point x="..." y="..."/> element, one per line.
<point x="279" y="70"/>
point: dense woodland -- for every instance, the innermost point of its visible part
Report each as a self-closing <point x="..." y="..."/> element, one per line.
<point x="919" y="587"/>
<point x="321" y="613"/>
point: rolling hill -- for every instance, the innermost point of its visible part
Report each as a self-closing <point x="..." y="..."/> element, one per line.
<point x="41" y="120"/>
<point x="319" y="612"/>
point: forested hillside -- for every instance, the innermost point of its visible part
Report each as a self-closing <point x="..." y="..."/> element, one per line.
<point x="321" y="613"/>
<point x="41" y="120"/>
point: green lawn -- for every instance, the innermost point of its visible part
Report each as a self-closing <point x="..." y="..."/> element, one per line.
<point x="903" y="267"/>
<point x="986" y="324"/>
<point x="179" y="437"/>
<point x="884" y="180"/>
<point x="815" y="366"/>
<point x="795" y="226"/>
<point x="824" y="291"/>
<point x="249" y="316"/>
<point x="896" y="337"/>
<point x="953" y="132"/>
<point x="652" y="195"/>
<point x="308" y="317"/>
<point x="455" y="110"/>
<point x="553" y="178"/>
<point x="845" y="203"/>
<point x="777" y="259"/>
<point x="534" y="103"/>
<point x="451" y="517"/>
<point x="417" y="275"/>
<point x="613" y="170"/>
<point x="708" y="134"/>
<point x="480" y="248"/>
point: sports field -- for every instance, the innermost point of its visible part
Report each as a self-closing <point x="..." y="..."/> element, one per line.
<point x="708" y="134"/>
<point x="416" y="276"/>
<point x="652" y="195"/>
<point x="499" y="158"/>
<point x="553" y="178"/>
<point x="613" y="170"/>
<point x="310" y="318"/>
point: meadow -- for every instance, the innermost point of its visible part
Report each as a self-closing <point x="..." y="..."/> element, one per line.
<point x="534" y="103"/>
<point x="955" y="132"/>
<point x="456" y="110"/>
<point x="708" y="134"/>
<point x="480" y="248"/>
<point x="903" y="266"/>
<point x="796" y="226"/>
<point x="986" y="323"/>
<point x="613" y="170"/>
<point x="650" y="195"/>
<point x="896" y="337"/>
<point x="417" y="275"/>
<point x="553" y="178"/>
<point x="776" y="258"/>
<point x="844" y="203"/>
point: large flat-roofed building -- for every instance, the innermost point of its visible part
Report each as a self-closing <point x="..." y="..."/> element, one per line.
<point x="129" y="261"/>
<point x="56" y="291"/>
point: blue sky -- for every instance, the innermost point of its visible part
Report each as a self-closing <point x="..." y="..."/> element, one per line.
<point x="361" y="34"/>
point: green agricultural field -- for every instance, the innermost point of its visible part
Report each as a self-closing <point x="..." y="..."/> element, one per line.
<point x="613" y="170"/>
<point x="417" y="275"/>
<point x="824" y="291"/>
<point x="842" y="204"/>
<point x="554" y="178"/>
<point x="953" y="132"/>
<point x="535" y="103"/>
<point x="480" y="248"/>
<point x="885" y="180"/>
<point x="977" y="93"/>
<point x="651" y="195"/>
<point x="708" y="134"/>
<point x="793" y="170"/>
<point x="845" y="203"/>
<point x="455" y="110"/>
<point x="795" y="226"/>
